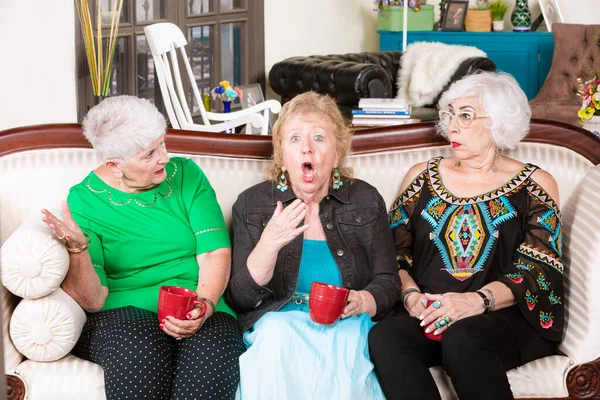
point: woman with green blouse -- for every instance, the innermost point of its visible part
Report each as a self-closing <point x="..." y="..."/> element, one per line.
<point x="137" y="222"/>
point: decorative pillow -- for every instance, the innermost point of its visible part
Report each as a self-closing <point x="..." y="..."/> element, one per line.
<point x="427" y="67"/>
<point x="46" y="329"/>
<point x="34" y="262"/>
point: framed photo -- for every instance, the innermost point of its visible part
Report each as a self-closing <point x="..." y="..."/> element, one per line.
<point x="252" y="95"/>
<point x="551" y="12"/>
<point x="454" y="17"/>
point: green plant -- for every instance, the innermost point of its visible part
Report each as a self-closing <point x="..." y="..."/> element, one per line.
<point x="481" y="5"/>
<point x="498" y="8"/>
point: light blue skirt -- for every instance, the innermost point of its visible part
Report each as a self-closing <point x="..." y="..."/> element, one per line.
<point x="290" y="357"/>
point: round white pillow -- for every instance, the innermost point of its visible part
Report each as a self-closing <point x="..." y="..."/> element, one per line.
<point x="48" y="328"/>
<point x="34" y="262"/>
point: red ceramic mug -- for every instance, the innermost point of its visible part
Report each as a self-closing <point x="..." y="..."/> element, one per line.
<point x="326" y="302"/>
<point x="430" y="335"/>
<point x="177" y="302"/>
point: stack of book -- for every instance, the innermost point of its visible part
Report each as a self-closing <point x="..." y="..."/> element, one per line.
<point x="377" y="112"/>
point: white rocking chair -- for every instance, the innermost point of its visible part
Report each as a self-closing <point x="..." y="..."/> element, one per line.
<point x="165" y="38"/>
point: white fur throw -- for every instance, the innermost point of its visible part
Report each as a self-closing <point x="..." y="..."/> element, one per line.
<point x="426" y="67"/>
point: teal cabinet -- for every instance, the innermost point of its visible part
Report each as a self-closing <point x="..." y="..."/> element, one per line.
<point x="525" y="55"/>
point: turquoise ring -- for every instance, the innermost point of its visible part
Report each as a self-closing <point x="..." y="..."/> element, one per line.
<point x="442" y="322"/>
<point x="438" y="325"/>
<point x="437" y="304"/>
<point x="447" y="319"/>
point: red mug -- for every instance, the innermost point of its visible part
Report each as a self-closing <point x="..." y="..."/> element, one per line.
<point x="430" y="335"/>
<point x="326" y="302"/>
<point x="177" y="302"/>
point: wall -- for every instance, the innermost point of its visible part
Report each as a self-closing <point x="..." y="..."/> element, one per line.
<point x="38" y="62"/>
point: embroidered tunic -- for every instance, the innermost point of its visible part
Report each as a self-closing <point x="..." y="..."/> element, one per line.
<point x="511" y="235"/>
<point x="140" y="242"/>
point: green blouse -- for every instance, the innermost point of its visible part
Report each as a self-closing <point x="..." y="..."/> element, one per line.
<point x="142" y="241"/>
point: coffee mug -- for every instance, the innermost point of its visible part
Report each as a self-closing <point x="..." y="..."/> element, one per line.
<point x="326" y="302"/>
<point x="430" y="335"/>
<point x="177" y="302"/>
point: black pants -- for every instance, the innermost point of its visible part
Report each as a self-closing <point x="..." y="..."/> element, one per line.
<point x="475" y="352"/>
<point x="140" y="361"/>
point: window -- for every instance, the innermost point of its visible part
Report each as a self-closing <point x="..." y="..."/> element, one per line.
<point x="219" y="34"/>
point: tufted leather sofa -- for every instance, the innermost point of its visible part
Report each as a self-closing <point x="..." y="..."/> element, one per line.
<point x="38" y="164"/>
<point x="576" y="53"/>
<point x="350" y="77"/>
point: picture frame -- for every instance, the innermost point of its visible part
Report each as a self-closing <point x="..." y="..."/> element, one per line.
<point x="454" y="16"/>
<point x="251" y="95"/>
<point x="550" y="12"/>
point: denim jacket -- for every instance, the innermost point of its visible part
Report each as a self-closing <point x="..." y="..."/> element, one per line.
<point x="354" y="220"/>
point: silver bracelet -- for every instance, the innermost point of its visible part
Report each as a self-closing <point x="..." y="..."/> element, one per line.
<point x="492" y="298"/>
<point x="407" y="293"/>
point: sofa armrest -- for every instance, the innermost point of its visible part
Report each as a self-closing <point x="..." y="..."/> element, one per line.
<point x="15" y="388"/>
<point x="345" y="77"/>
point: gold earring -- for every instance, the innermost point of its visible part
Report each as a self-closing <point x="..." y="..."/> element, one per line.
<point x="118" y="182"/>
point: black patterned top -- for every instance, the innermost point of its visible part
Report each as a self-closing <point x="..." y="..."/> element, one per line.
<point x="511" y="235"/>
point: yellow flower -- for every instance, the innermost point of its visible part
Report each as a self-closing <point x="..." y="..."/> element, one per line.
<point x="586" y="113"/>
<point x="225" y="84"/>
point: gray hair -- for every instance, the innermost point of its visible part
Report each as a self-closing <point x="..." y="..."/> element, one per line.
<point x="502" y="100"/>
<point x="121" y="126"/>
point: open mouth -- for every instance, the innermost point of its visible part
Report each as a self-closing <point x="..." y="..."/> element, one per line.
<point x="308" y="172"/>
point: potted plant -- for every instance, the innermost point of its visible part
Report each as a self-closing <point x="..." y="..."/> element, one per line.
<point x="498" y="8"/>
<point x="479" y="17"/>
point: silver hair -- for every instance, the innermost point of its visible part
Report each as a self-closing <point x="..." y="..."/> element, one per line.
<point x="502" y="100"/>
<point x="121" y="126"/>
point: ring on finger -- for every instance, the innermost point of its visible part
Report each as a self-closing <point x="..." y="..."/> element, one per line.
<point x="62" y="236"/>
<point x="178" y="338"/>
<point x="437" y="303"/>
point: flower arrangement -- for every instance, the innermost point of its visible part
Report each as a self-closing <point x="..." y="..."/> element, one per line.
<point x="226" y="92"/>
<point x="100" y="60"/>
<point x="590" y="95"/>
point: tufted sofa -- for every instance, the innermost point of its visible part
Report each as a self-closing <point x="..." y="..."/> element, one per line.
<point x="38" y="164"/>
<point x="351" y="77"/>
<point x="576" y="53"/>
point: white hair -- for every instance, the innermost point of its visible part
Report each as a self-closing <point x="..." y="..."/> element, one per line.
<point x="121" y="126"/>
<point x="502" y="100"/>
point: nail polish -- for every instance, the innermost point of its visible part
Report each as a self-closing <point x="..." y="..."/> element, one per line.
<point x="188" y="315"/>
<point x="161" y="326"/>
<point x="427" y="330"/>
<point x="422" y="323"/>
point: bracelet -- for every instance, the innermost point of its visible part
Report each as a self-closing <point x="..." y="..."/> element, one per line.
<point x="209" y="302"/>
<point x="407" y="293"/>
<point x="88" y="240"/>
<point x="492" y="298"/>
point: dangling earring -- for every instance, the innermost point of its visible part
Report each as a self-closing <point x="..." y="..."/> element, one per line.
<point x="283" y="185"/>
<point x="118" y="182"/>
<point x="496" y="157"/>
<point x="336" y="181"/>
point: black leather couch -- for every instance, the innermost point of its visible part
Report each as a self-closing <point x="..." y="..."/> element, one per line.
<point x="350" y="77"/>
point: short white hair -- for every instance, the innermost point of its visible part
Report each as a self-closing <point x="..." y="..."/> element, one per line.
<point x="121" y="126"/>
<point x="502" y="100"/>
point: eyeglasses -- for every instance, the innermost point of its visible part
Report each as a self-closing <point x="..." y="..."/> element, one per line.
<point x="464" y="118"/>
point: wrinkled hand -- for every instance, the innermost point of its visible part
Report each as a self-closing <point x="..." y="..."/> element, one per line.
<point x="67" y="229"/>
<point x="415" y="304"/>
<point x="455" y="306"/>
<point x="183" y="329"/>
<point x="283" y="225"/>
<point x="354" y="305"/>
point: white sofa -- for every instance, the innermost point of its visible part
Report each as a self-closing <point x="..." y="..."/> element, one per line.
<point x="38" y="164"/>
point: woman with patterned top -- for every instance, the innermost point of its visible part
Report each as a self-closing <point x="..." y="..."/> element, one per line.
<point x="310" y="222"/>
<point x="137" y="222"/>
<point x="478" y="245"/>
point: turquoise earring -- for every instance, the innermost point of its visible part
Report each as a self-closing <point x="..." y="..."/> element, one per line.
<point x="337" y="182"/>
<point x="283" y="185"/>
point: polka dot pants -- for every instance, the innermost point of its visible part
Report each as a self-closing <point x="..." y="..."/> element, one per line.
<point x="141" y="362"/>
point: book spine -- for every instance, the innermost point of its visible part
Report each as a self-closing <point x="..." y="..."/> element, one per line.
<point x="380" y="112"/>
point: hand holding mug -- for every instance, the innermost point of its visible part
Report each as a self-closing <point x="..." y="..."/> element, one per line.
<point x="354" y="305"/>
<point x="180" y="314"/>
<point x="326" y="302"/>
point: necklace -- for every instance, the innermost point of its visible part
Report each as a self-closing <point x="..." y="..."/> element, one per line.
<point x="494" y="166"/>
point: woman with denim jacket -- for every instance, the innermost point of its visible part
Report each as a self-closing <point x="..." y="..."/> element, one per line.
<point x="310" y="222"/>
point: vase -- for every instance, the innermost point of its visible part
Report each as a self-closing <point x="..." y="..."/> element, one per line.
<point x="478" y="21"/>
<point x="498" y="26"/>
<point x="227" y="109"/>
<point x="521" y="17"/>
<point x="593" y="125"/>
